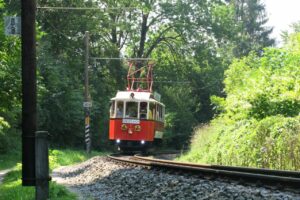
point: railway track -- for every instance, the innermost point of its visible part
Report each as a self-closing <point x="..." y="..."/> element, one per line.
<point x="261" y="177"/>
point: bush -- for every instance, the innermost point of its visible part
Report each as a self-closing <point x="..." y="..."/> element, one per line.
<point x="259" y="123"/>
<point x="3" y="138"/>
<point x="273" y="142"/>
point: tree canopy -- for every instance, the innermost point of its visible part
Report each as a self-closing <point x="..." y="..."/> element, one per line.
<point x="259" y="122"/>
<point x="193" y="43"/>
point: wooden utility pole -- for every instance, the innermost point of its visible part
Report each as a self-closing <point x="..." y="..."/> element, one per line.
<point x="87" y="104"/>
<point x="35" y="163"/>
<point x="28" y="92"/>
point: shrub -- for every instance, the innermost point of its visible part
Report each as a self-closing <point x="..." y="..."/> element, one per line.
<point x="3" y="138"/>
<point x="259" y="120"/>
<point x="273" y="142"/>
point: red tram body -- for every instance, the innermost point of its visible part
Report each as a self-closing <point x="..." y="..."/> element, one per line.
<point x="136" y="115"/>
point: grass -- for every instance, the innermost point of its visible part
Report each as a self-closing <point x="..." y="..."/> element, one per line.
<point x="9" y="160"/>
<point x="11" y="188"/>
<point x="199" y="144"/>
<point x="272" y="142"/>
<point x="65" y="157"/>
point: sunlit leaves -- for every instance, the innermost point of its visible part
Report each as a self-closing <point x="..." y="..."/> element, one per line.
<point x="259" y="124"/>
<point x="264" y="86"/>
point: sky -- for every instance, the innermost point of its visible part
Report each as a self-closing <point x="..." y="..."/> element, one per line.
<point x="281" y="14"/>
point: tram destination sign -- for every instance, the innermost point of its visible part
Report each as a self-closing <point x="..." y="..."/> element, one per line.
<point x="12" y="25"/>
<point x="131" y="121"/>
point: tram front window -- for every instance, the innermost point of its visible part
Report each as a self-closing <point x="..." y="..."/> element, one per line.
<point x="143" y="110"/>
<point x="119" y="109"/>
<point x="151" y="113"/>
<point x="112" y="109"/>
<point x="131" y="109"/>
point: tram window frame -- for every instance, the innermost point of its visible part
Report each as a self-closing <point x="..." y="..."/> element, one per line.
<point x="161" y="115"/>
<point x="159" y="112"/>
<point x="151" y="114"/>
<point x="122" y="109"/>
<point x="143" y="114"/>
<point x="112" y="109"/>
<point x="127" y="114"/>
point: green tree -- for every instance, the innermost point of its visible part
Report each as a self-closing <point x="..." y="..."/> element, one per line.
<point x="292" y="40"/>
<point x="259" y="120"/>
<point x="10" y="88"/>
<point x="253" y="33"/>
<point x="151" y="26"/>
<point x="192" y="41"/>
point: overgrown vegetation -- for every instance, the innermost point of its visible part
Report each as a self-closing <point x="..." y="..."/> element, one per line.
<point x="11" y="188"/>
<point x="9" y="160"/>
<point x="193" y="43"/>
<point x="259" y="121"/>
<point x="67" y="157"/>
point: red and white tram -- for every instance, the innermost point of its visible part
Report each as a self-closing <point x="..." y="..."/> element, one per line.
<point x="137" y="115"/>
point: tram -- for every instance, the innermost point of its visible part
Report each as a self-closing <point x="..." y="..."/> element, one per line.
<point x="136" y="114"/>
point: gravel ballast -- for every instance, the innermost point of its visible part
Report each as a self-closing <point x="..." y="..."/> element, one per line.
<point x="101" y="178"/>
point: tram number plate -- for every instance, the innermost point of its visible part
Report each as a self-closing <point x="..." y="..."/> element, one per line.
<point x="131" y="121"/>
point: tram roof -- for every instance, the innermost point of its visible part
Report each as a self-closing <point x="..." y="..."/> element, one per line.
<point x="138" y="96"/>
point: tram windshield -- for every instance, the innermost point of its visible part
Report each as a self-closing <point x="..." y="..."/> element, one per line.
<point x="131" y="110"/>
<point x="112" y="109"/>
<point x="152" y="109"/>
<point x="143" y="110"/>
<point x="120" y="109"/>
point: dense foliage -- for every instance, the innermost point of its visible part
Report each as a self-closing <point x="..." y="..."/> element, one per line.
<point x="193" y="42"/>
<point x="10" y="87"/>
<point x="259" y="124"/>
<point x="252" y="20"/>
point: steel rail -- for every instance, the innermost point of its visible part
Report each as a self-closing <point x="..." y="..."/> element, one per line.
<point x="118" y="157"/>
<point x="284" y="173"/>
<point x="207" y="170"/>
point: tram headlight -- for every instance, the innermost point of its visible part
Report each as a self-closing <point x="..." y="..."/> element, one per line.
<point x="118" y="141"/>
<point x="143" y="142"/>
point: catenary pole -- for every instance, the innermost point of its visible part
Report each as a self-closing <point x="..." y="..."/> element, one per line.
<point x="28" y="91"/>
<point x="87" y="103"/>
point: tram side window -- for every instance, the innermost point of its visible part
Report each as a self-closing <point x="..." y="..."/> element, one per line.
<point x="152" y="108"/>
<point x="131" y="109"/>
<point x="112" y="109"/>
<point x="159" y="112"/>
<point x="143" y="110"/>
<point x="120" y="108"/>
